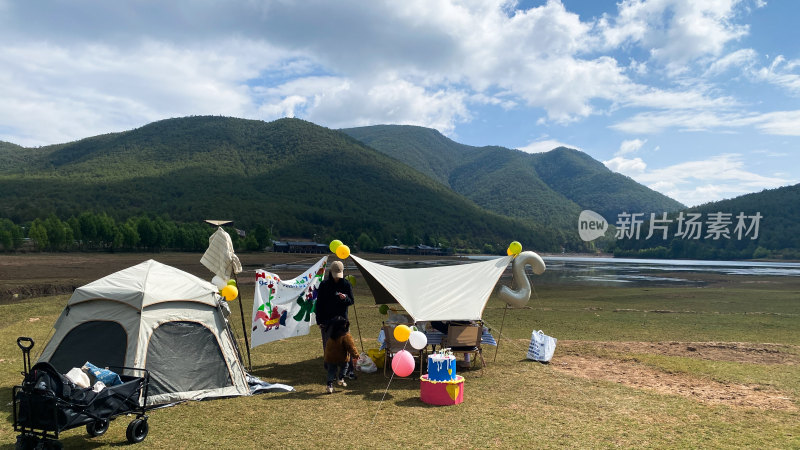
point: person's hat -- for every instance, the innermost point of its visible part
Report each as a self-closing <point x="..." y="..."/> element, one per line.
<point x="337" y="269"/>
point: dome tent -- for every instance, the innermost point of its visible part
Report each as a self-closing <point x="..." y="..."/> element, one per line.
<point x="157" y="317"/>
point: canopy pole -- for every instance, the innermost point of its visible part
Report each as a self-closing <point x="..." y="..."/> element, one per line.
<point x="501" y="333"/>
<point x="355" y="313"/>
<point x="244" y="326"/>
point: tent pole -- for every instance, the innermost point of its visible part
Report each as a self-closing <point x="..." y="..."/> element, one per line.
<point x="244" y="326"/>
<point x="501" y="333"/>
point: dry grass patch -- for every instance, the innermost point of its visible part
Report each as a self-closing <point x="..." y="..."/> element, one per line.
<point x="617" y="362"/>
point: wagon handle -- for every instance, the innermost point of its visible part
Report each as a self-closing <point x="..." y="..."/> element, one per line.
<point x="25" y="344"/>
<point x="25" y="348"/>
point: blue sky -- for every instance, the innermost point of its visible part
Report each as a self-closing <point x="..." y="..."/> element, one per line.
<point x="696" y="99"/>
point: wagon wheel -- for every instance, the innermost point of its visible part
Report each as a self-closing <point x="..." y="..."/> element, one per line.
<point x="97" y="428"/>
<point x="137" y="431"/>
<point x="26" y="442"/>
<point x="48" y="444"/>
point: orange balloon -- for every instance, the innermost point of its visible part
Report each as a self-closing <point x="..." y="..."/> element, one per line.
<point x="230" y="292"/>
<point x="342" y="251"/>
<point x="401" y="333"/>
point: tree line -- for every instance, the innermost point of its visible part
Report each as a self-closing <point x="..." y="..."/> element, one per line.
<point x="91" y="231"/>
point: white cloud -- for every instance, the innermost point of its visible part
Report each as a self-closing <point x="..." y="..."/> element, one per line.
<point x="414" y="62"/>
<point x="785" y="123"/>
<point x="638" y="67"/>
<point x="630" y="146"/>
<point x="742" y="58"/>
<point x="409" y="105"/>
<point x="675" y="32"/>
<point x="650" y="97"/>
<point x="781" y="73"/>
<point x="424" y="62"/>
<point x="626" y="166"/>
<point x="60" y="94"/>
<point x="772" y="154"/>
<point x="344" y="64"/>
<point x="545" y="145"/>
<point x="701" y="181"/>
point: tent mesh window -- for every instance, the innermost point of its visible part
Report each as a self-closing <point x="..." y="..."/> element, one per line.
<point x="183" y="357"/>
<point x="99" y="342"/>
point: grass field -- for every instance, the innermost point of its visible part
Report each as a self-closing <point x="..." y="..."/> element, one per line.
<point x="715" y="366"/>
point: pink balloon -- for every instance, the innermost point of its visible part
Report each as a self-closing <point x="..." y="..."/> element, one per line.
<point x="403" y="363"/>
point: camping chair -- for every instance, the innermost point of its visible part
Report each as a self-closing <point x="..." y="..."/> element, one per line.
<point x="393" y="346"/>
<point x="465" y="339"/>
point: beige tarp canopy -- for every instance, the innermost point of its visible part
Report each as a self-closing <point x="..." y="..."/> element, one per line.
<point x="458" y="292"/>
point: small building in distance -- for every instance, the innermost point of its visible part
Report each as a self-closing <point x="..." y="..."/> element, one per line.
<point x="299" y="247"/>
<point x="415" y="250"/>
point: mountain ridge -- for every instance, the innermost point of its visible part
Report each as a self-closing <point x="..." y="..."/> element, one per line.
<point x="417" y="186"/>
<point x="545" y="187"/>
<point x="310" y="179"/>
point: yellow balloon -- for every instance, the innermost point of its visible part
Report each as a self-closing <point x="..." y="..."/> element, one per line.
<point x="230" y="292"/>
<point x="342" y="251"/>
<point x="401" y="333"/>
<point x="515" y="248"/>
<point x="334" y="245"/>
<point x="508" y="251"/>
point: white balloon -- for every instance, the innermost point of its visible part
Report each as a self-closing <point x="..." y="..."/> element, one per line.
<point x="218" y="282"/>
<point x="418" y="340"/>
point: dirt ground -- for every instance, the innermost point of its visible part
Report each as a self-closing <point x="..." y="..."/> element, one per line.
<point x="34" y="275"/>
<point x="630" y="373"/>
<point x="28" y="275"/>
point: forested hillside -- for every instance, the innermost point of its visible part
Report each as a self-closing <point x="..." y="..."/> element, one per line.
<point x="294" y="177"/>
<point x="727" y="230"/>
<point x="548" y="188"/>
<point x="592" y="185"/>
<point x="151" y="187"/>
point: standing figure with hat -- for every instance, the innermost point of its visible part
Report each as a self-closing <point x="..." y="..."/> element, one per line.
<point x="334" y="296"/>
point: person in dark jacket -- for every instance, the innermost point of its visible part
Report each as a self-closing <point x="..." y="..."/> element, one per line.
<point x="340" y="349"/>
<point x="334" y="296"/>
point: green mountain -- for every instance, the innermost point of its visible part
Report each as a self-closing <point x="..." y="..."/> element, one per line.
<point x="590" y="184"/>
<point x="13" y="155"/>
<point x="548" y="188"/>
<point x="292" y="176"/>
<point x="776" y="231"/>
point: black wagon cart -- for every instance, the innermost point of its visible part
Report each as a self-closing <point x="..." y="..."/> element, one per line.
<point x="47" y="403"/>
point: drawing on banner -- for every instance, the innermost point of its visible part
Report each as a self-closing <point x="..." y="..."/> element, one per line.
<point x="285" y="308"/>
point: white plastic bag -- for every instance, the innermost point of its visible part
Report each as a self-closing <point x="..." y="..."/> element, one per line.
<point x="366" y="364"/>
<point x="542" y="346"/>
<point x="79" y="377"/>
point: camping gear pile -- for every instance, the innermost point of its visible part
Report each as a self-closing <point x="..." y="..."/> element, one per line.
<point x="47" y="403"/>
<point x="149" y="319"/>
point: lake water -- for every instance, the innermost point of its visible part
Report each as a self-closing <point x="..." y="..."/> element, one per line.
<point x="662" y="272"/>
<point x="611" y="271"/>
<point x="652" y="272"/>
